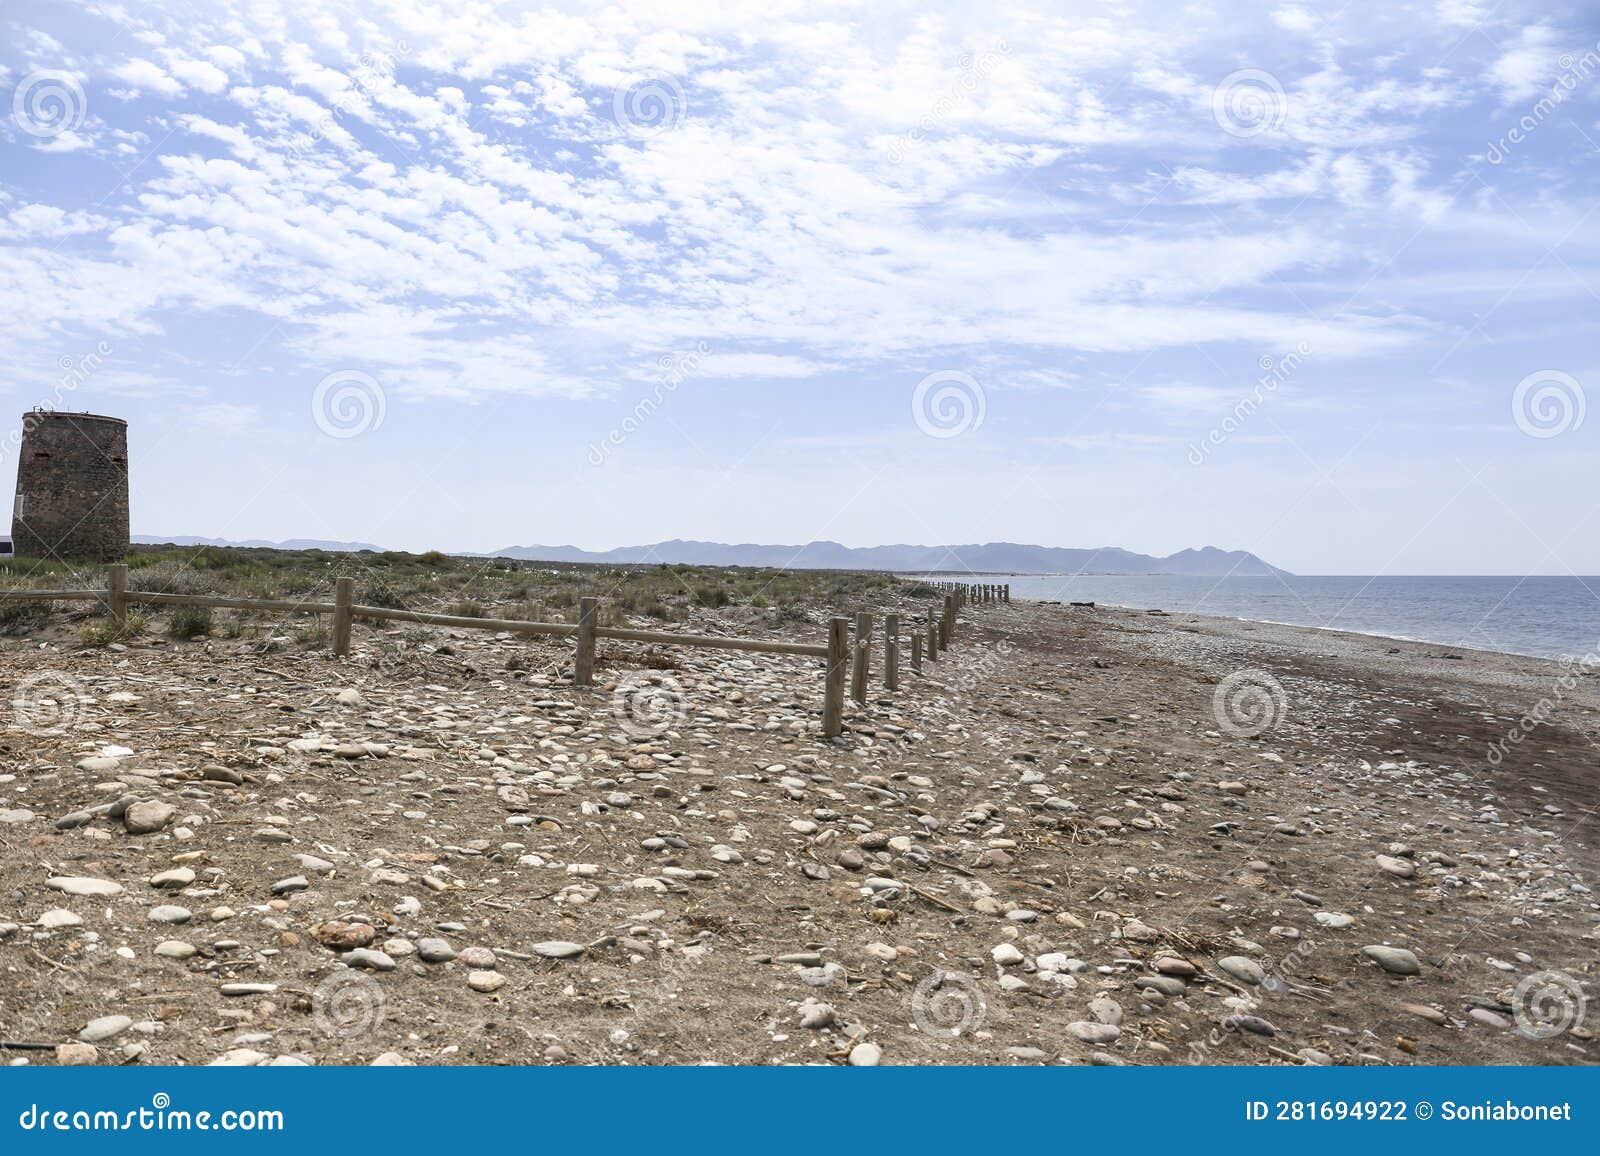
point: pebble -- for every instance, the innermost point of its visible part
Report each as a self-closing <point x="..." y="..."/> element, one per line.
<point x="77" y="1055"/>
<point x="1106" y="1010"/>
<point x="239" y="1058"/>
<point x="816" y="1015"/>
<point x="865" y="1055"/>
<point x="1242" y="969"/>
<point x="1403" y="868"/>
<point x="431" y="950"/>
<point x="1423" y="1011"/>
<point x="170" y="913"/>
<point x="485" y="981"/>
<point x="557" y="949"/>
<point x="59" y="917"/>
<point x="1395" y="960"/>
<point x="1255" y="1025"/>
<point x="175" y="877"/>
<point x="147" y="818"/>
<point x="1337" y="920"/>
<point x="1094" y="1033"/>
<point x="290" y="885"/>
<point x="482" y="958"/>
<point x="79" y="885"/>
<point x="368" y="957"/>
<point x="105" y="1028"/>
<point x="1006" y="954"/>
<point x="338" y="935"/>
<point x="175" y="949"/>
<point x="1167" y="985"/>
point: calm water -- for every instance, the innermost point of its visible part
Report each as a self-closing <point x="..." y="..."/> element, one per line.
<point x="1549" y="617"/>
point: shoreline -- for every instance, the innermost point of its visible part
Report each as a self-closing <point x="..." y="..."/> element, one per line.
<point x="1372" y="634"/>
<point x="1496" y="614"/>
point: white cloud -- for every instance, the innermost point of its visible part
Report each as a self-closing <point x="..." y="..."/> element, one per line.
<point x="227" y="418"/>
<point x="1528" y="66"/>
<point x="146" y="76"/>
<point x="1294" y="18"/>
<point x="198" y="74"/>
<point x="770" y="365"/>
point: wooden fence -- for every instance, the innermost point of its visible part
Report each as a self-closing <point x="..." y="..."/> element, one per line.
<point x="846" y="658"/>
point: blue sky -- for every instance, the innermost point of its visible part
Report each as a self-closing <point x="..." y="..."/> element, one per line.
<point x="1318" y="281"/>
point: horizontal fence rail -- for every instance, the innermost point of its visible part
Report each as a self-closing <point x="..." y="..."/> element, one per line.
<point x="846" y="658"/>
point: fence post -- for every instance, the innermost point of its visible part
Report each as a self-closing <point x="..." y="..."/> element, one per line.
<point x="833" y="686"/>
<point x="891" y="651"/>
<point x="863" y="644"/>
<point x="583" y="661"/>
<point x="916" y="652"/>
<point x="344" y="597"/>
<point x="933" y="638"/>
<point x="117" y="595"/>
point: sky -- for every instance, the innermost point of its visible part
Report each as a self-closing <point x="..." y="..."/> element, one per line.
<point x="1318" y="281"/>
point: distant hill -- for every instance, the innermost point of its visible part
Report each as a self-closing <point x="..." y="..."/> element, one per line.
<point x="257" y="543"/>
<point x="990" y="557"/>
<point x="987" y="558"/>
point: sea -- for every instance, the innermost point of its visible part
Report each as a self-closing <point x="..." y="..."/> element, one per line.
<point x="1546" y="617"/>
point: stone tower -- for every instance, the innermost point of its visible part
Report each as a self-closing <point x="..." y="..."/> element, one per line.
<point x="72" y="487"/>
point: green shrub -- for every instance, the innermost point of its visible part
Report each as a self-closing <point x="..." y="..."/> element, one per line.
<point x="103" y="631"/>
<point x="713" y="596"/>
<point x="468" y="609"/>
<point x="190" y="622"/>
<point x="380" y="594"/>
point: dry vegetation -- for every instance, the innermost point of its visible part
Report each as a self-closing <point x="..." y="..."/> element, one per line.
<point x="469" y="587"/>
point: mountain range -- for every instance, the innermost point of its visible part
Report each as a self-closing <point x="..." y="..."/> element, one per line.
<point x="984" y="558"/>
<point x="257" y="543"/>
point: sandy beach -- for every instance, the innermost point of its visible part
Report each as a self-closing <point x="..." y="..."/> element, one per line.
<point x="1056" y="845"/>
